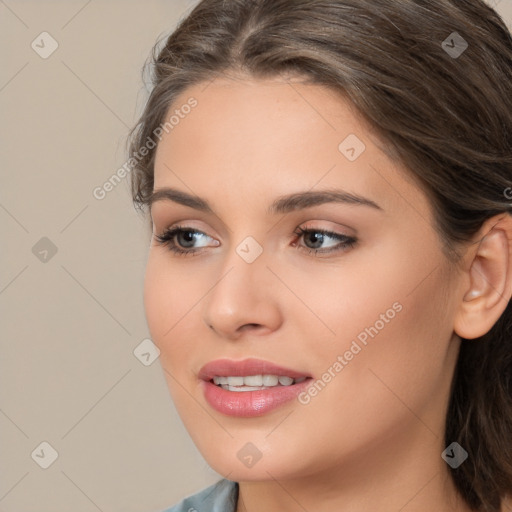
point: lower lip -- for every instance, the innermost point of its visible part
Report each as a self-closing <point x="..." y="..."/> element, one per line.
<point x="250" y="403"/>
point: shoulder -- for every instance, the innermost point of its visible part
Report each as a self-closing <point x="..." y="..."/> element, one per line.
<point x="219" y="497"/>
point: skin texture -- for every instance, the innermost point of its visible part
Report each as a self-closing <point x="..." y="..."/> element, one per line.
<point x="372" y="438"/>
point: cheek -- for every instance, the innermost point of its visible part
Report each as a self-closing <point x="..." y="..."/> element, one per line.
<point x="170" y="303"/>
<point x="399" y="375"/>
<point x="157" y="304"/>
<point x="168" y="296"/>
<point x="421" y="341"/>
<point x="405" y="363"/>
<point x="165" y="302"/>
<point x="393" y="321"/>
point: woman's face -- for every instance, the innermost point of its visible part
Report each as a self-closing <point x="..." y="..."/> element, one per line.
<point x="368" y="318"/>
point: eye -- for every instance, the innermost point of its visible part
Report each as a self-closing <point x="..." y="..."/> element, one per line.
<point x="345" y="242"/>
<point x="187" y="236"/>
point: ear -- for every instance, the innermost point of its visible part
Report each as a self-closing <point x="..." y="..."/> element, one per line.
<point x="488" y="278"/>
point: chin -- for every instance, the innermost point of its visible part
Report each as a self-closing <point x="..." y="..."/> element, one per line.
<point x="242" y="461"/>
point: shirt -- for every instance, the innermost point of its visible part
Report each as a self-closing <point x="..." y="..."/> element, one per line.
<point x="219" y="497"/>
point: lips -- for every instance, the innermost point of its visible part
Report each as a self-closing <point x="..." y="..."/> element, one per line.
<point x="252" y="402"/>
<point x="230" y="368"/>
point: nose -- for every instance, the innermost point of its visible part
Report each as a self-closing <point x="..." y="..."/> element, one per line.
<point x="244" y="299"/>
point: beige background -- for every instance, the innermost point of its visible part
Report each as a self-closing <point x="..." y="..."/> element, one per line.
<point x="71" y="322"/>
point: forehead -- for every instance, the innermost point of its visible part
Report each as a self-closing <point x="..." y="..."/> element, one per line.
<point x="249" y="116"/>
<point x="257" y="136"/>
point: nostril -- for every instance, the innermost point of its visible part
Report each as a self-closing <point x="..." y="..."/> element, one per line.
<point x="250" y="326"/>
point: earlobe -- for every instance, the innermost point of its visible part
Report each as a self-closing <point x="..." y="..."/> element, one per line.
<point x="490" y="279"/>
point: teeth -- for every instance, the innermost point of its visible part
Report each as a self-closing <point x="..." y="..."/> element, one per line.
<point x="241" y="388"/>
<point x="236" y="381"/>
<point x="254" y="382"/>
<point x="270" y="380"/>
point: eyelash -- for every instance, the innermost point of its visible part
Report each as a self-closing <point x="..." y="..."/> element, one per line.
<point x="167" y="239"/>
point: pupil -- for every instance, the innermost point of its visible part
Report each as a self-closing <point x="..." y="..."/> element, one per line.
<point x="188" y="235"/>
<point x="317" y="235"/>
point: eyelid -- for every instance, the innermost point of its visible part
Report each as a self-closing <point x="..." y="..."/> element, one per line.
<point x="177" y="228"/>
<point x="166" y="238"/>
<point x="329" y="225"/>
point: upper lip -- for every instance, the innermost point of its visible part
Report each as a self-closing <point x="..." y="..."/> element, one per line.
<point x="245" y="367"/>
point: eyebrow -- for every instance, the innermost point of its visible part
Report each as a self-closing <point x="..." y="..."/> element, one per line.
<point x="283" y="204"/>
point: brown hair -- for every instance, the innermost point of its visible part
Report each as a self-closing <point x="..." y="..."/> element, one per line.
<point x="446" y="117"/>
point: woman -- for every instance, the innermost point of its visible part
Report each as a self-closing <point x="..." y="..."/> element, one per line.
<point x="330" y="271"/>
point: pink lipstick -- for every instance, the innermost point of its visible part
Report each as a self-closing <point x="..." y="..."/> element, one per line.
<point x="251" y="387"/>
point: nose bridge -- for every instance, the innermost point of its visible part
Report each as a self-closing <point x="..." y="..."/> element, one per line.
<point x="242" y="269"/>
<point x="241" y="294"/>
